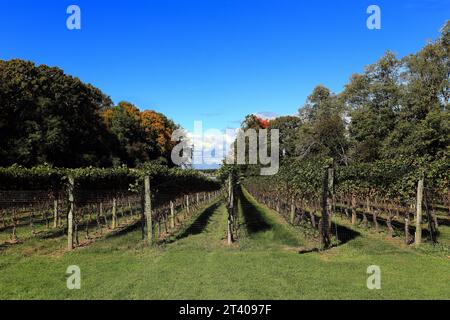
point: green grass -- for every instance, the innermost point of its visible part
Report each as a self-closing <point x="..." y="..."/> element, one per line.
<point x="197" y="264"/>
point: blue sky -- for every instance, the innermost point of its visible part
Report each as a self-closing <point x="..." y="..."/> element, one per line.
<point x="215" y="60"/>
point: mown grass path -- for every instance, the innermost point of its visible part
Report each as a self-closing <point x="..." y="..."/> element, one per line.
<point x="197" y="264"/>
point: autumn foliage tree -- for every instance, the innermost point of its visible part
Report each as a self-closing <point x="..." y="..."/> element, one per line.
<point x="141" y="136"/>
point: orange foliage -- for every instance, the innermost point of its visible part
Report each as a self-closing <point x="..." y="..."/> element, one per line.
<point x="156" y="126"/>
<point x="263" y="123"/>
<point x="131" y="110"/>
<point x="107" y="115"/>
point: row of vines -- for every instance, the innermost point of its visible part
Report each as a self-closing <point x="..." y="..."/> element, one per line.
<point x="90" y="203"/>
<point x="393" y="196"/>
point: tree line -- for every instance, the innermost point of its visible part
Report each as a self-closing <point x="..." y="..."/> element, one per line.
<point x="397" y="109"/>
<point x="49" y="117"/>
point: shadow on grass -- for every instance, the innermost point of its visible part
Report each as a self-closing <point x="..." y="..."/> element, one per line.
<point x="24" y="221"/>
<point x="343" y="233"/>
<point x="6" y="245"/>
<point x="444" y="222"/>
<point x="51" y="234"/>
<point x="254" y="221"/>
<point x="123" y="230"/>
<point x="198" y="226"/>
<point x="311" y="250"/>
<point x="398" y="226"/>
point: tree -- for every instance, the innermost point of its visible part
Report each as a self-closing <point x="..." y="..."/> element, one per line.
<point x="323" y="131"/>
<point x="159" y="128"/>
<point x="288" y="127"/>
<point x="373" y="100"/>
<point x="48" y="116"/>
<point x="142" y="136"/>
<point x="124" y="123"/>
<point x="423" y="128"/>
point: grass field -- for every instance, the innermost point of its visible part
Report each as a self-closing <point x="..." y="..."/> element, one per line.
<point x="196" y="263"/>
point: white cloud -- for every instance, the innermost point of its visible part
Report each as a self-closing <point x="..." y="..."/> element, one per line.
<point x="267" y="115"/>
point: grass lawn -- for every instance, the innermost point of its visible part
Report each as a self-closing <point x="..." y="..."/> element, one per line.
<point x="197" y="264"/>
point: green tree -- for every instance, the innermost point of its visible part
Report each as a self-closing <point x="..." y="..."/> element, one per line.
<point x="423" y="128"/>
<point x="373" y="100"/>
<point x="288" y="127"/>
<point x="323" y="132"/>
<point x="48" y="116"/>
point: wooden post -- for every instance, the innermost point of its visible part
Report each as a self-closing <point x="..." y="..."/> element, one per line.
<point x="407" y="236"/>
<point x="70" y="190"/>
<point x="365" y="221"/>
<point x="330" y="196"/>
<point x="148" y="208"/>
<point x="114" y="213"/>
<point x="324" y="225"/>
<point x="230" y="210"/>
<point x="354" y="205"/>
<point x="187" y="204"/>
<point x="142" y="213"/>
<point x="418" y="238"/>
<point x="103" y="215"/>
<point x="55" y="213"/>
<point x="172" y="215"/>
<point x="432" y="219"/>
<point x="292" y="210"/>
<point x="14" y="230"/>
